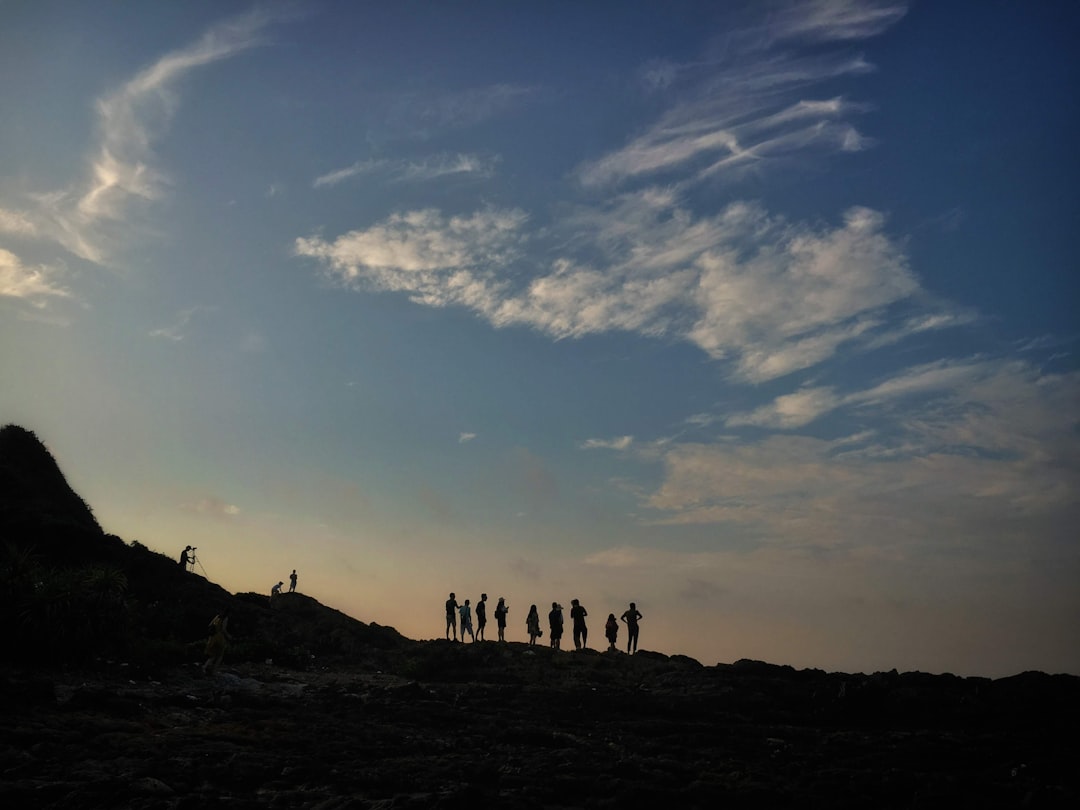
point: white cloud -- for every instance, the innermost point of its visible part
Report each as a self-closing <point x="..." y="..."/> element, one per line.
<point x="829" y="20"/>
<point x="790" y="410"/>
<point x="990" y="457"/>
<point x="769" y="295"/>
<point x="617" y="443"/>
<point x="91" y="217"/>
<point x="177" y="330"/>
<point x="214" y="507"/>
<point x="33" y="284"/>
<point x="16" y="223"/>
<point x="432" y="167"/>
<point x="465" y="437"/>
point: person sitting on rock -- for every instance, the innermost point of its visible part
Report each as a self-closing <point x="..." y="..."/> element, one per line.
<point x="611" y="630"/>
<point x="532" y="625"/>
<point x="466" y="621"/>
<point x="555" y="623"/>
<point x="275" y="591"/>
<point x="451" y="616"/>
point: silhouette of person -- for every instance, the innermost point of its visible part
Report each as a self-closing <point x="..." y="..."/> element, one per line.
<point x="292" y="581"/>
<point x="481" y="616"/>
<point x="631" y="617"/>
<point x="275" y="591"/>
<point x="501" y="610"/>
<point x="611" y="630"/>
<point x="532" y="624"/>
<point x="218" y="641"/>
<point x="466" y="620"/>
<point x="185" y="557"/>
<point x="581" y="632"/>
<point x="555" y="623"/>
<point x="451" y="616"/>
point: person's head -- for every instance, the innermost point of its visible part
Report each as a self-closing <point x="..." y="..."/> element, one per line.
<point x="574" y="602"/>
<point x="611" y="617"/>
<point x="532" y="608"/>
<point x="483" y="597"/>
<point x="187" y="548"/>
<point x="633" y="606"/>
<point x="502" y="600"/>
<point x="466" y="603"/>
<point x="280" y="582"/>
<point x="453" y="596"/>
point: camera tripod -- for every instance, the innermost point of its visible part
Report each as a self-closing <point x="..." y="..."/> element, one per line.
<point x="194" y="560"/>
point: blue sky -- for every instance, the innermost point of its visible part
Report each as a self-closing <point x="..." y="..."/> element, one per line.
<point x="759" y="315"/>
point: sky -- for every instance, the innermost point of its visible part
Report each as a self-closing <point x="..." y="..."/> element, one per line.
<point x="760" y="315"/>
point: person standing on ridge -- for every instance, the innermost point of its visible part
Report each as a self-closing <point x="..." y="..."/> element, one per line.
<point x="611" y="630"/>
<point x="501" y="610"/>
<point x="481" y="616"/>
<point x="292" y="581"/>
<point x="532" y="625"/>
<point x="631" y="617"/>
<point x="555" y="624"/>
<point x="451" y="616"/>
<point x="466" y="621"/>
<point x="581" y="632"/>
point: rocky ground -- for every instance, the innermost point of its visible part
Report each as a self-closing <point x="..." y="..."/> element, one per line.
<point x="445" y="725"/>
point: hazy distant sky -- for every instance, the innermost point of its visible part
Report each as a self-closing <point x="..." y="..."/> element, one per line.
<point x="760" y="315"/>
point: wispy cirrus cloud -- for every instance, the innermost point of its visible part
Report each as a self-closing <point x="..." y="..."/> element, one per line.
<point x="429" y="168"/>
<point x="753" y="105"/>
<point x="764" y="295"/>
<point x="178" y="329"/>
<point x="34" y="284"/>
<point x="94" y="215"/>
<point x="989" y="446"/>
<point x="617" y="443"/>
<point x="804" y="406"/>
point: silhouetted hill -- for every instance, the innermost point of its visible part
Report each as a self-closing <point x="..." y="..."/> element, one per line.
<point x="78" y="594"/>
<point x="34" y="494"/>
<point x="105" y="705"/>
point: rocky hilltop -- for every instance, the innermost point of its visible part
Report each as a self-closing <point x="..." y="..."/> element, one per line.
<point x="104" y="704"/>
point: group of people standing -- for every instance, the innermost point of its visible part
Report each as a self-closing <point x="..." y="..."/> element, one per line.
<point x="454" y="611"/>
<point x="465" y="611"/>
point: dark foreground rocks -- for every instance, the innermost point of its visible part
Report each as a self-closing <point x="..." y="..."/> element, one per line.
<point x="441" y="725"/>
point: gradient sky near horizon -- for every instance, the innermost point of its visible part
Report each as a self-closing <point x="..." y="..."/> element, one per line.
<point x="761" y="315"/>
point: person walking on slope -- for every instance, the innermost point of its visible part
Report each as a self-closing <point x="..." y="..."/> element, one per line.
<point x="466" y="621"/>
<point x="218" y="641"/>
<point x="532" y="625"/>
<point x="581" y="632"/>
<point x="631" y="617"/>
<point x="501" y="610"/>
<point x="555" y="624"/>
<point x="451" y="616"/>
<point x="481" y="616"/>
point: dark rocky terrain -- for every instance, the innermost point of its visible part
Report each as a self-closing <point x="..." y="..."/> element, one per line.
<point x="104" y="704"/>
